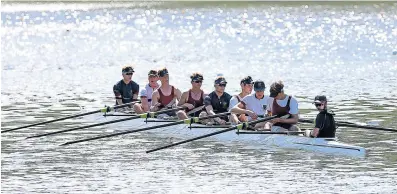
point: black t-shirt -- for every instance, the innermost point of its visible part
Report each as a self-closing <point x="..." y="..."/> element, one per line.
<point x="126" y="91"/>
<point x="220" y="104"/>
<point x="326" y="123"/>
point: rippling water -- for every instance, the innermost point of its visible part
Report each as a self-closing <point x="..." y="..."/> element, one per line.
<point x="61" y="59"/>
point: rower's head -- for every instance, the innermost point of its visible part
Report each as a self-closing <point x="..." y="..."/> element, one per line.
<point x="220" y="84"/>
<point x="246" y="84"/>
<point x="320" y="101"/>
<point x="127" y="72"/>
<point x="259" y="88"/>
<point x="277" y="90"/>
<point x="153" y="78"/>
<point x="163" y="75"/>
<point x="197" y="80"/>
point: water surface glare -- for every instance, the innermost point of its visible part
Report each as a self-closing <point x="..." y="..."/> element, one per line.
<point x="61" y="59"/>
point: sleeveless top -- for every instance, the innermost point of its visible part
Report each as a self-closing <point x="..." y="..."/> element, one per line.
<point x="165" y="100"/>
<point x="196" y="103"/>
<point x="238" y="98"/>
<point x="278" y="110"/>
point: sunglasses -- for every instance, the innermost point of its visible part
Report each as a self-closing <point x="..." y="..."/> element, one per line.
<point x="318" y="104"/>
<point x="198" y="81"/>
<point x="222" y="85"/>
<point x="128" y="73"/>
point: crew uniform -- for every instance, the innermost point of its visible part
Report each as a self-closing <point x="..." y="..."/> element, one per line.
<point x="256" y="105"/>
<point x="196" y="103"/>
<point x="148" y="91"/>
<point x="219" y="104"/>
<point x="124" y="91"/>
<point x="325" y="121"/>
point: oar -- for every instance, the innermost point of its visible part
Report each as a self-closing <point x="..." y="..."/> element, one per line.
<point x="106" y="109"/>
<point x="186" y="121"/>
<point x="239" y="126"/>
<point x="144" y="115"/>
<point x="270" y="132"/>
<point x="345" y="124"/>
<point x="195" y="110"/>
<point x="119" y="115"/>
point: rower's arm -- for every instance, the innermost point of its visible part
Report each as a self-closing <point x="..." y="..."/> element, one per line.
<point x="178" y="94"/>
<point x="293" y="120"/>
<point x="117" y="94"/>
<point x="319" y="124"/>
<point x="119" y="101"/>
<point x="145" y="103"/>
<point x="155" y="101"/>
<point x="239" y="108"/>
<point x="210" y="110"/>
<point x="135" y="96"/>
<point x="183" y="98"/>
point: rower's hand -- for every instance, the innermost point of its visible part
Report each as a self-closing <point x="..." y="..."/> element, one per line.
<point x="189" y="106"/>
<point x="252" y="115"/>
<point x="221" y="121"/>
<point x="315" y="132"/>
<point x="275" y="120"/>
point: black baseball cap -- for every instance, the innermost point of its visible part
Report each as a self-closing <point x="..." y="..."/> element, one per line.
<point x="220" y="80"/>
<point x="163" y="72"/>
<point x="320" y="98"/>
<point x="127" y="69"/>
<point x="259" y="86"/>
<point x="152" y="73"/>
<point x="247" y="80"/>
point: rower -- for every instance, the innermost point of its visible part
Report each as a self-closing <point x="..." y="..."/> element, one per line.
<point x="217" y="102"/>
<point x="146" y="93"/>
<point x="193" y="98"/>
<point x="253" y="105"/>
<point x="167" y="95"/>
<point x="281" y="104"/>
<point x="325" y="125"/>
<point x="246" y="85"/>
<point x="126" y="90"/>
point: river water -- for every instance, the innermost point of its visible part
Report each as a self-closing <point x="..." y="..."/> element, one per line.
<point x="61" y="59"/>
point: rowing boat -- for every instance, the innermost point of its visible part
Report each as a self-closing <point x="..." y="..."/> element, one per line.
<point x="249" y="137"/>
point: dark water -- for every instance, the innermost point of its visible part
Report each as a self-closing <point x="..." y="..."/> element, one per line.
<point x="61" y="59"/>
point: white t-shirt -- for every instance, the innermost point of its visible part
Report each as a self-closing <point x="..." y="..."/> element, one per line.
<point x="147" y="92"/>
<point x="293" y="105"/>
<point x="258" y="106"/>
<point x="233" y="101"/>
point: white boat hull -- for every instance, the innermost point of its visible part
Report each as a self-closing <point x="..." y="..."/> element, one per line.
<point x="320" y="145"/>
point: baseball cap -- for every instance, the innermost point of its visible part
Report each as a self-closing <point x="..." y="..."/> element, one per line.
<point x="127" y="69"/>
<point x="152" y="73"/>
<point x="320" y="98"/>
<point x="259" y="86"/>
<point x="220" y="80"/>
<point x="163" y="72"/>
